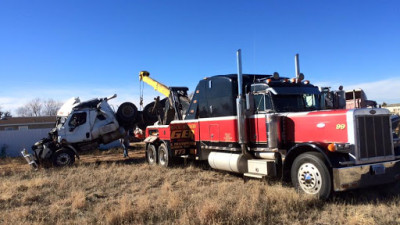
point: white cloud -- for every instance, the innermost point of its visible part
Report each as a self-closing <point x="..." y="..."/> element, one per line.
<point x="387" y="90"/>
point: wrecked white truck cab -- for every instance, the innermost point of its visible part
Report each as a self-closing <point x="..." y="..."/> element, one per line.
<point x="81" y="126"/>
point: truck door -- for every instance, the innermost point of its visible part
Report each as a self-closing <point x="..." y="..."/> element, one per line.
<point x="78" y="127"/>
<point x="262" y="106"/>
<point x="214" y="132"/>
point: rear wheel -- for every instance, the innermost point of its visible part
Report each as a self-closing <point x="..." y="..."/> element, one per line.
<point x="63" y="157"/>
<point x="163" y="156"/>
<point x="151" y="154"/>
<point x="310" y="175"/>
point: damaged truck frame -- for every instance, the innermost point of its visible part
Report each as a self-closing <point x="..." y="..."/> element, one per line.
<point x="268" y="126"/>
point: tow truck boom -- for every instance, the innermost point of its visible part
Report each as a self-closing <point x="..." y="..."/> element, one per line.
<point x="178" y="100"/>
<point x="145" y="77"/>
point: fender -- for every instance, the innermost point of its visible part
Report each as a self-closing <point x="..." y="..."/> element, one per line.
<point x="292" y="151"/>
<point x="73" y="149"/>
<point x="151" y="139"/>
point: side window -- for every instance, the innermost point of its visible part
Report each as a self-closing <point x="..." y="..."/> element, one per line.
<point x="259" y="102"/>
<point x="262" y="103"/>
<point x="268" y="103"/>
<point x="77" y="119"/>
<point x="101" y="117"/>
<point x="309" y="100"/>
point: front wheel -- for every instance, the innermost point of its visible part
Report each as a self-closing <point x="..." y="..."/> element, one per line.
<point x="63" y="157"/>
<point x="310" y="175"/>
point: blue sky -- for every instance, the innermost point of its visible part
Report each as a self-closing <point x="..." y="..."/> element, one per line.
<point x="62" y="49"/>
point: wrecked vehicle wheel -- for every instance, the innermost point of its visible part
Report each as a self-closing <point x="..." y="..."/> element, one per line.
<point x="63" y="157"/>
<point x="126" y="114"/>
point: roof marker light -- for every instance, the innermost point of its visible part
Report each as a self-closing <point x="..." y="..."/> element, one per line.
<point x="306" y="82"/>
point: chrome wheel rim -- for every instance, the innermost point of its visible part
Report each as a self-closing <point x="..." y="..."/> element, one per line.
<point x="309" y="178"/>
<point x="150" y="156"/>
<point x="162" y="156"/>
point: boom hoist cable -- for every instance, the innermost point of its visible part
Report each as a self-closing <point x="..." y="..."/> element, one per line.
<point x="141" y="88"/>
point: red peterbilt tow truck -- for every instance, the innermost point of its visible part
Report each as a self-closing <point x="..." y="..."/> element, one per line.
<point x="267" y="126"/>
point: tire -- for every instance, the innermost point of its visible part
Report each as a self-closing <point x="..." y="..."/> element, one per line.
<point x="127" y="115"/>
<point x="150" y="116"/>
<point x="310" y="175"/>
<point x="151" y="154"/>
<point x="164" y="158"/>
<point x="63" y="157"/>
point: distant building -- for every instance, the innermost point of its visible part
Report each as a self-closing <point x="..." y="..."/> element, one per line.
<point x="27" y="123"/>
<point x="393" y="108"/>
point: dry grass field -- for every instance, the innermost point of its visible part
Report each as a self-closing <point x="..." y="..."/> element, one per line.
<point x="108" y="189"/>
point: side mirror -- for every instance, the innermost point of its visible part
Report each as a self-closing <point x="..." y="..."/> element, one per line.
<point x="249" y="102"/>
<point x="71" y="129"/>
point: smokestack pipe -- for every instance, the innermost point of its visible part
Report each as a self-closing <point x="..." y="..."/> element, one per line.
<point x="240" y="107"/>
<point x="297" y="66"/>
<point x="239" y="71"/>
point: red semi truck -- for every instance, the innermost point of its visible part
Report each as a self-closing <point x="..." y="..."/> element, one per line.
<point x="267" y="126"/>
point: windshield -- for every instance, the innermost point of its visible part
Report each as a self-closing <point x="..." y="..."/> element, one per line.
<point x="296" y="103"/>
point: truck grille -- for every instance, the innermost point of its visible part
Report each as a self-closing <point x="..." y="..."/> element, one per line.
<point x="374" y="137"/>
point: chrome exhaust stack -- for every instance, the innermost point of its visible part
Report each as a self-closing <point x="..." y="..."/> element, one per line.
<point x="273" y="131"/>
<point x="240" y="104"/>
<point x="297" y="65"/>
<point x="299" y="76"/>
<point x="234" y="162"/>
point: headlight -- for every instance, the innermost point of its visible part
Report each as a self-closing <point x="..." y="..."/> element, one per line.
<point x="340" y="147"/>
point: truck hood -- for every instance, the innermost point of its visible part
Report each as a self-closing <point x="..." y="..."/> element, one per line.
<point x="330" y="126"/>
<point x="66" y="109"/>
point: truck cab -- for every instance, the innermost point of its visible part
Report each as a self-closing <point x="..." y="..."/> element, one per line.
<point x="87" y="122"/>
<point x="288" y="134"/>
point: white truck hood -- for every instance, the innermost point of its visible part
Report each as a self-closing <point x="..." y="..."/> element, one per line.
<point x="66" y="109"/>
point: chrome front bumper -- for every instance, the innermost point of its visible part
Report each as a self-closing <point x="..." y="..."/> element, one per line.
<point x="365" y="175"/>
<point x="29" y="158"/>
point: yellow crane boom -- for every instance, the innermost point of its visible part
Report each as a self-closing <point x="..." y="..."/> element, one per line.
<point x="145" y="77"/>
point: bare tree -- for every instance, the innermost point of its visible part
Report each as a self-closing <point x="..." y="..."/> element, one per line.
<point x="50" y="107"/>
<point x="4" y="114"/>
<point x="24" y="111"/>
<point x="35" y="106"/>
<point x="38" y="107"/>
